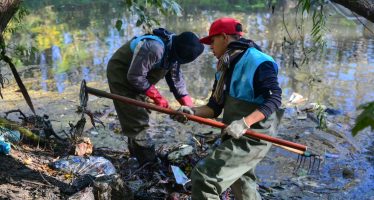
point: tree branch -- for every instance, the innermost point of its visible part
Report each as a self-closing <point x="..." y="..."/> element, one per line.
<point x="7" y="9"/>
<point x="364" y="8"/>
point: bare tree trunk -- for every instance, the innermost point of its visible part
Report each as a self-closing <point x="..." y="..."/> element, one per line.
<point x="7" y="9"/>
<point x="364" y="8"/>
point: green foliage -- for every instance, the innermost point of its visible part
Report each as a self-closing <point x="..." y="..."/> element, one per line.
<point x="318" y="18"/>
<point x="146" y="9"/>
<point x="227" y="6"/>
<point x="16" y="21"/>
<point x="321" y="116"/>
<point x="307" y="11"/>
<point x="19" y="53"/>
<point x="365" y="119"/>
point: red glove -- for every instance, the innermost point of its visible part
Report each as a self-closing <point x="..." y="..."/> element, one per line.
<point x="159" y="100"/>
<point x="185" y="101"/>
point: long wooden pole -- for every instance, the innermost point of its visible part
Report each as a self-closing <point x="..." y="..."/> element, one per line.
<point x="195" y="118"/>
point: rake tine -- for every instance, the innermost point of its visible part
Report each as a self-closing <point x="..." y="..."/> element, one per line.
<point x="313" y="167"/>
<point x="319" y="163"/>
<point x="310" y="169"/>
<point x="318" y="158"/>
<point x="304" y="159"/>
<point x="299" y="157"/>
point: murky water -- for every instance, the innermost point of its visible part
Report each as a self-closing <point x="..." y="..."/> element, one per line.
<point x="76" y="42"/>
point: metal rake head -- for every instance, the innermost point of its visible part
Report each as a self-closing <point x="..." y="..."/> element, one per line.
<point x="310" y="161"/>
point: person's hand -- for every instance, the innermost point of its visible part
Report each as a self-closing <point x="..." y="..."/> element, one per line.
<point x="155" y="95"/>
<point x="185" y="101"/>
<point x="237" y="128"/>
<point x="161" y="101"/>
<point x="180" y="117"/>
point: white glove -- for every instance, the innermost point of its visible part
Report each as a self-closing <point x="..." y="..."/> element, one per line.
<point x="237" y="128"/>
<point x="186" y="109"/>
<point x="181" y="118"/>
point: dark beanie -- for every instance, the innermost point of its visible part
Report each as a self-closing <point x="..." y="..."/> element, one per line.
<point x="186" y="47"/>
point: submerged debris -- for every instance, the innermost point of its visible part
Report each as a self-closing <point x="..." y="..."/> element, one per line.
<point x="83" y="147"/>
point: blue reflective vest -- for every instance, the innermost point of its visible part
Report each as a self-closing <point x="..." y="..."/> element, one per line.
<point x="136" y="41"/>
<point x="241" y="86"/>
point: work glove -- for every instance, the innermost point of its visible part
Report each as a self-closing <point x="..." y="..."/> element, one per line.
<point x="237" y="128"/>
<point x="185" y="101"/>
<point x="180" y="117"/>
<point x="159" y="100"/>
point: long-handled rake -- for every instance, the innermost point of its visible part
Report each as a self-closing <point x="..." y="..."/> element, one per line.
<point x="302" y="159"/>
<point x="299" y="149"/>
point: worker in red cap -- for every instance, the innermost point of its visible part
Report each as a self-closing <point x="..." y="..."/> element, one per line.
<point x="246" y="89"/>
<point x="134" y="70"/>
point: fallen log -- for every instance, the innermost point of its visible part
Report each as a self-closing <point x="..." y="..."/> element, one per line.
<point x="26" y="134"/>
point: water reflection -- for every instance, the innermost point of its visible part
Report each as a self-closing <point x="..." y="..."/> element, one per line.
<point x="60" y="77"/>
<point x="338" y="76"/>
<point x="44" y="71"/>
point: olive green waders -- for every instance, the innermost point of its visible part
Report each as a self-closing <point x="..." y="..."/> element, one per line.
<point x="134" y="120"/>
<point x="233" y="163"/>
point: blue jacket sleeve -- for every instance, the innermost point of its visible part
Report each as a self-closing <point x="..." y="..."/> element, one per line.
<point x="174" y="79"/>
<point x="265" y="83"/>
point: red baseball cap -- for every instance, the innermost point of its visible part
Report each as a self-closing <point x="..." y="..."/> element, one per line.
<point x="226" y="25"/>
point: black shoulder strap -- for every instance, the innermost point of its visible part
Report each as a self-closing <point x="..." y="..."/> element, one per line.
<point x="164" y="34"/>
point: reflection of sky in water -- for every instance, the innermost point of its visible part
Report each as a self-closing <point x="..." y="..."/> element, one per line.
<point x="348" y="76"/>
<point x="59" y="77"/>
<point x="113" y="43"/>
<point x="86" y="73"/>
<point x="44" y="71"/>
<point x="67" y="38"/>
<point x="56" y="55"/>
<point x="260" y="24"/>
<point x="283" y="81"/>
<point x="97" y="60"/>
<point x="370" y="53"/>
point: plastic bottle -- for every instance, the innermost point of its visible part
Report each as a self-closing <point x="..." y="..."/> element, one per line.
<point x="9" y="135"/>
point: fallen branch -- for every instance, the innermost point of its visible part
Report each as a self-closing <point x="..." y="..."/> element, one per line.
<point x="25" y="133"/>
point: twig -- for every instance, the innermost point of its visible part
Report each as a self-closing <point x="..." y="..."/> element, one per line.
<point x="44" y="178"/>
<point x="136" y="171"/>
<point x="363" y="23"/>
<point x="285" y="26"/>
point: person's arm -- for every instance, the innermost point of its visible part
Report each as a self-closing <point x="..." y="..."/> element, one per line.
<point x="204" y="111"/>
<point x="211" y="110"/>
<point x="254" y="117"/>
<point x="146" y="54"/>
<point x="265" y="83"/>
<point x="175" y="80"/>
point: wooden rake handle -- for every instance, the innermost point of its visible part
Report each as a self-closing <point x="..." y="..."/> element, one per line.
<point x="288" y="145"/>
